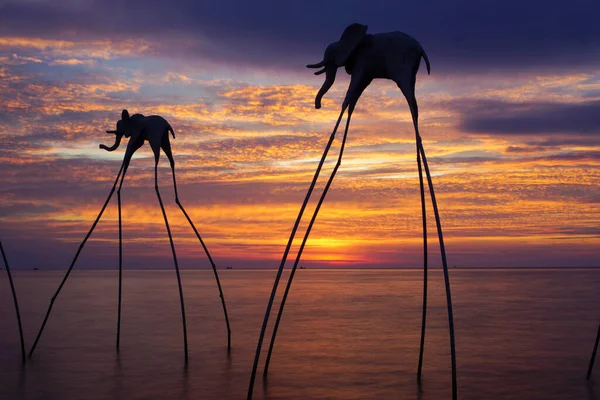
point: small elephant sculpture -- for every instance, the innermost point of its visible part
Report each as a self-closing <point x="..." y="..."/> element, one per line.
<point x="154" y="129"/>
<point x="139" y="128"/>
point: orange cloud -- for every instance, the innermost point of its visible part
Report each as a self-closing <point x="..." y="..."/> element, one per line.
<point x="246" y="152"/>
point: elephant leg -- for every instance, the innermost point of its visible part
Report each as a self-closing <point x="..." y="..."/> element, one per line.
<point x="131" y="148"/>
<point x="120" y="267"/>
<point x="406" y="83"/>
<point x="591" y="366"/>
<point x="156" y="157"/>
<point x="424" y="222"/>
<point x="14" y="294"/>
<point x="166" y="146"/>
<point x="73" y="263"/>
<point x="446" y="275"/>
<point x="308" y="229"/>
<point x="287" y="249"/>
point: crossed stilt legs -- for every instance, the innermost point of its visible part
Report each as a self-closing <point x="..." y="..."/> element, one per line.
<point x="14" y="294"/>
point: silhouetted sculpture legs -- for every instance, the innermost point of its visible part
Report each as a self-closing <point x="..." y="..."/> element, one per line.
<point x="591" y="366"/>
<point x="155" y="130"/>
<point x="14" y="294"/>
<point x="166" y="146"/>
<point x="212" y="263"/>
<point x="394" y="56"/>
<point x="37" y="338"/>
<point x="424" y="217"/>
<point x="174" y="256"/>
<point x="301" y="249"/>
<point x="133" y="145"/>
<point x="406" y="83"/>
<point x="287" y="249"/>
<point x="309" y="228"/>
<point x="446" y="275"/>
<point x="120" y="264"/>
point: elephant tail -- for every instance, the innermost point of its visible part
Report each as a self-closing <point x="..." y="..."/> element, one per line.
<point x="169" y="129"/>
<point x="426" y="62"/>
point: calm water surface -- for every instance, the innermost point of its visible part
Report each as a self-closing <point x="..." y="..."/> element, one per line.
<point x="345" y="335"/>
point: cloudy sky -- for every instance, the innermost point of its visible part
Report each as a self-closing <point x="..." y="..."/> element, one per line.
<point x="510" y="118"/>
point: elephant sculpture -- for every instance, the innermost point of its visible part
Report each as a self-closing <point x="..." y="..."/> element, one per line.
<point x="139" y="129"/>
<point x="154" y="129"/>
<point x="395" y="56"/>
<point x="391" y="55"/>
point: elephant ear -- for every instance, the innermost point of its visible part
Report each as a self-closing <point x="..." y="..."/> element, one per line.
<point x="351" y="38"/>
<point x="124" y="115"/>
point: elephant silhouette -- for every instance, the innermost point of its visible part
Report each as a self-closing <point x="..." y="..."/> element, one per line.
<point x="395" y="56"/>
<point x="391" y="55"/>
<point x="155" y="130"/>
<point x="139" y="128"/>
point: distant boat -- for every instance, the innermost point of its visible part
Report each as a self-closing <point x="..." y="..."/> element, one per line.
<point x="35" y="269"/>
<point x="301" y="267"/>
<point x="228" y="268"/>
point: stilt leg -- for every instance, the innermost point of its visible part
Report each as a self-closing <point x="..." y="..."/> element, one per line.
<point x="287" y="249"/>
<point x="212" y="263"/>
<point x="120" y="259"/>
<point x="407" y="86"/>
<point x="446" y="275"/>
<point x="424" y="217"/>
<point x="308" y="229"/>
<point x="591" y="367"/>
<point x="131" y="148"/>
<point x="174" y="260"/>
<point x="14" y="294"/>
<point x="120" y="271"/>
<point x="73" y="263"/>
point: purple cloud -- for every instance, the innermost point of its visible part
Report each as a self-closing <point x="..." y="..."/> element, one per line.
<point x="459" y="37"/>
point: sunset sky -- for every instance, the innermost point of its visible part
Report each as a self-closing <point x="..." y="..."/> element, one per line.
<point x="510" y="118"/>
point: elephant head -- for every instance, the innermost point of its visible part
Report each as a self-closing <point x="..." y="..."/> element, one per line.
<point x="338" y="54"/>
<point x="126" y="126"/>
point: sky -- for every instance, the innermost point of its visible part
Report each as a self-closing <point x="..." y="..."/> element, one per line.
<point x="510" y="120"/>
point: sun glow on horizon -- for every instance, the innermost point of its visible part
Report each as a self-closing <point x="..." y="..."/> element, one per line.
<point x="246" y="151"/>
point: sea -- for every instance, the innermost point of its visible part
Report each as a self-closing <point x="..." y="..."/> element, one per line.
<point x="521" y="334"/>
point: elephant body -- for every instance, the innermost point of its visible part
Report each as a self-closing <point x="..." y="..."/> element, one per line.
<point x="152" y="128"/>
<point x="390" y="55"/>
<point x="382" y="55"/>
<point x="139" y="128"/>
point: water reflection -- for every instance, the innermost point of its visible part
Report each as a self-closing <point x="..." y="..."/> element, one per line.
<point x="346" y="335"/>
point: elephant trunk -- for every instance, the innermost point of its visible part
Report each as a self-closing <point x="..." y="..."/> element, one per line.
<point x="331" y="71"/>
<point x="118" y="137"/>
